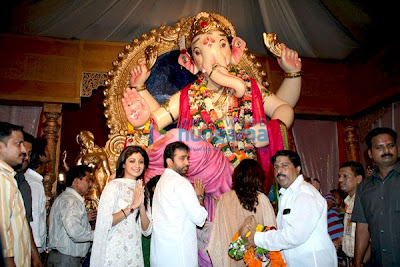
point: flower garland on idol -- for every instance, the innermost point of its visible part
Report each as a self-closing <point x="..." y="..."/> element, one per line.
<point x="231" y="141"/>
<point x="254" y="257"/>
<point x="145" y="138"/>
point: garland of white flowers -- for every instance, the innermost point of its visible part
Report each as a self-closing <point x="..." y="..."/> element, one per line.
<point x="234" y="145"/>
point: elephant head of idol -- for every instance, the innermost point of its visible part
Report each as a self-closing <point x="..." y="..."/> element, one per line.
<point x="214" y="48"/>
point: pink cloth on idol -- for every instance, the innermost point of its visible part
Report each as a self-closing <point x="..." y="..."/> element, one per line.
<point x="206" y="162"/>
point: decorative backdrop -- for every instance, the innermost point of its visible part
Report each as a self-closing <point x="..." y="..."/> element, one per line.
<point x="26" y="116"/>
<point x="317" y="145"/>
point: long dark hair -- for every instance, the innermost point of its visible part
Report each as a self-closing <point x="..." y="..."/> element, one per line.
<point x="150" y="184"/>
<point x="247" y="182"/>
<point x="120" y="168"/>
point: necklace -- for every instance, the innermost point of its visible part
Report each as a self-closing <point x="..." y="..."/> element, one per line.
<point x="213" y="127"/>
<point x="221" y="97"/>
<point x="211" y="92"/>
<point x="221" y="104"/>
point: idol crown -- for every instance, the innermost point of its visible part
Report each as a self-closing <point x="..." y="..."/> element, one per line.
<point x="205" y="22"/>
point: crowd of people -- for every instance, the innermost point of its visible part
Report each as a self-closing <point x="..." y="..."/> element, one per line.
<point x="23" y="212"/>
<point x="308" y="229"/>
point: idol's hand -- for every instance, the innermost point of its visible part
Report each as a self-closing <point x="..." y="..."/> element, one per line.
<point x="139" y="74"/>
<point x="258" y="134"/>
<point x="136" y="109"/>
<point x="289" y="61"/>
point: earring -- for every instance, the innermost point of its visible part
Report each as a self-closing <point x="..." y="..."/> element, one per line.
<point x="238" y="44"/>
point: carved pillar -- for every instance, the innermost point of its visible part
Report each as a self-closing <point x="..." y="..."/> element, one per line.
<point x="51" y="130"/>
<point x="351" y="141"/>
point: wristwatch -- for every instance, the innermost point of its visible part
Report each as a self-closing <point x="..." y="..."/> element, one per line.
<point x="201" y="197"/>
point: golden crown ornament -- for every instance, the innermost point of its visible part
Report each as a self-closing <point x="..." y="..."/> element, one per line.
<point x="205" y="22"/>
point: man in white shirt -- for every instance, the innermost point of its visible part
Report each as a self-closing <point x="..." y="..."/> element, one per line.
<point x="33" y="175"/>
<point x="302" y="234"/>
<point x="26" y="193"/>
<point x="70" y="234"/>
<point x="351" y="174"/>
<point x="177" y="209"/>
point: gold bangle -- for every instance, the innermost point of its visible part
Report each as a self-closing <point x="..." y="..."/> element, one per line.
<point x="167" y="109"/>
<point x="140" y="87"/>
<point x="170" y="114"/>
<point x="293" y="74"/>
<point x="216" y="65"/>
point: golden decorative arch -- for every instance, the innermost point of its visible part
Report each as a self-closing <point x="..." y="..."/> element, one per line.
<point x="158" y="42"/>
<point x="163" y="40"/>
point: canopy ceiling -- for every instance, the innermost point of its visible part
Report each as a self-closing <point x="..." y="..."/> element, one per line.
<point x="316" y="28"/>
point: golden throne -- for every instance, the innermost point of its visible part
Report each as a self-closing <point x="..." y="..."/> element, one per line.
<point x="161" y="49"/>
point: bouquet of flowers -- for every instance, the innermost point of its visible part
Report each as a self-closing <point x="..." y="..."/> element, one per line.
<point x="254" y="257"/>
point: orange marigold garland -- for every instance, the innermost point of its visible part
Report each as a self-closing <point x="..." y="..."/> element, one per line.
<point x="276" y="259"/>
<point x="254" y="257"/>
<point x="146" y="136"/>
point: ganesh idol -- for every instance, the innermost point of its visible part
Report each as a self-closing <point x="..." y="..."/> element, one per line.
<point x="224" y="116"/>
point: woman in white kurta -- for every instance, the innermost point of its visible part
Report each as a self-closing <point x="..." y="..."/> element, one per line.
<point x="123" y="214"/>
